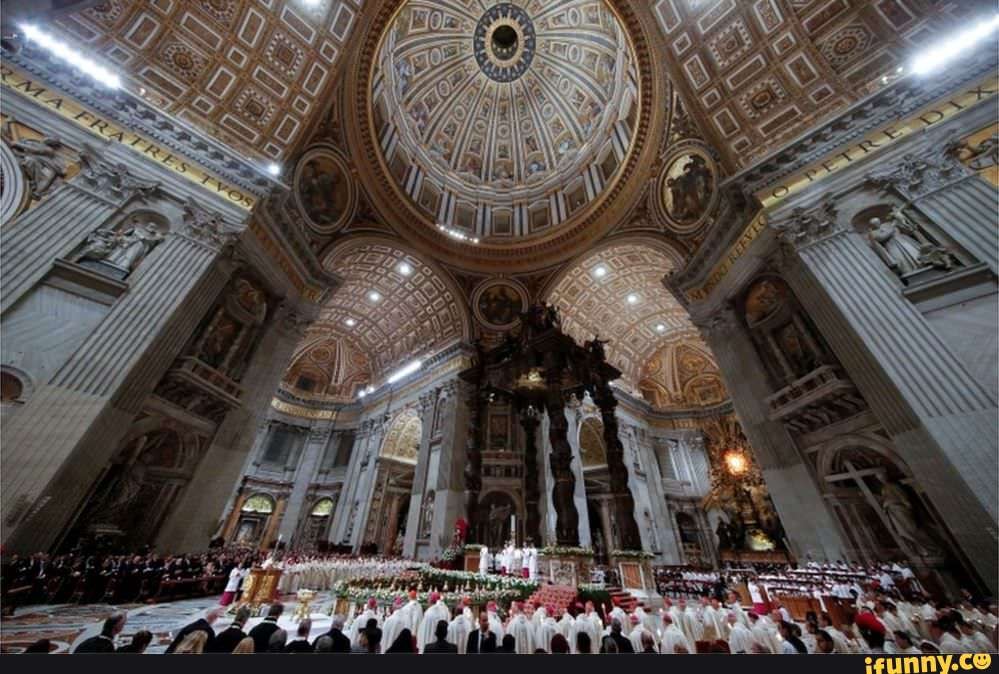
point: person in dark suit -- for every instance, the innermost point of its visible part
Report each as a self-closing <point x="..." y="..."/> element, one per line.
<point x="441" y="645"/>
<point x="227" y="640"/>
<point x="261" y="634"/>
<point x="140" y="641"/>
<point x="482" y="640"/>
<point x="301" y="644"/>
<point x="623" y="644"/>
<point x="104" y="642"/>
<point x="341" y="644"/>
<point x="199" y="625"/>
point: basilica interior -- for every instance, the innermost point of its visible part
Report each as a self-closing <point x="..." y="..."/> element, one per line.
<point x="700" y="282"/>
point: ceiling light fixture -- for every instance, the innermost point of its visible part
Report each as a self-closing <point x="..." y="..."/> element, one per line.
<point x="632" y="298"/>
<point x="404" y="371"/>
<point x="75" y="58"/>
<point x="350" y="322"/>
<point x="942" y="53"/>
<point x="274" y="169"/>
<point x="375" y="296"/>
<point x="405" y="269"/>
<point x="455" y="234"/>
<point x="661" y="327"/>
<point x="600" y="271"/>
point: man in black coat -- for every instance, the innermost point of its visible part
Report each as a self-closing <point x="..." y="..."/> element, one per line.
<point x="227" y="640"/>
<point x="199" y="625"/>
<point x="623" y="643"/>
<point x="341" y="644"/>
<point x="261" y="634"/>
<point x="442" y="645"/>
<point x="482" y="640"/>
<point x="104" y="642"/>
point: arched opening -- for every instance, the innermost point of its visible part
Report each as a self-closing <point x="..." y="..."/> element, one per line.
<point x="387" y="517"/>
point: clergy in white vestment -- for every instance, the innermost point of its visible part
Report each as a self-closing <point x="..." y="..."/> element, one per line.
<point x="544" y="633"/>
<point x="673" y="640"/>
<point x="521" y="629"/>
<point x="617" y="613"/>
<point x="735" y="604"/>
<point x="516" y="559"/>
<point x="532" y="564"/>
<point x="565" y="626"/>
<point x="483" y="561"/>
<point x="840" y="642"/>
<point x="394" y="624"/>
<point x="361" y="620"/>
<point x="636" y="633"/>
<point x="740" y="639"/>
<point x="713" y="620"/>
<point x="412" y="613"/>
<point x="495" y="624"/>
<point x="692" y="625"/>
<point x="590" y="623"/>
<point x="506" y="558"/>
<point x="647" y="620"/>
<point x="461" y="626"/>
<point x="436" y="612"/>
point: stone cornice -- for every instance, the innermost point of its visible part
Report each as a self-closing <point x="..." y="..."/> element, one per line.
<point x="135" y="114"/>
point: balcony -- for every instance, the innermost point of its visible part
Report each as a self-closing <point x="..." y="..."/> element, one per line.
<point x="820" y="398"/>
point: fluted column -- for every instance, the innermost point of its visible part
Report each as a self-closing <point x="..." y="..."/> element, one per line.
<point x="345" y="506"/>
<point x="194" y="519"/>
<point x="57" y="225"/>
<point x="942" y="420"/>
<point x="364" y="494"/>
<point x="473" y="464"/>
<point x="60" y="441"/>
<point x="448" y="483"/>
<point x="812" y="531"/>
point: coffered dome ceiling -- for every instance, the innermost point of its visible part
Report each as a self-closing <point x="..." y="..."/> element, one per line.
<point x="504" y="121"/>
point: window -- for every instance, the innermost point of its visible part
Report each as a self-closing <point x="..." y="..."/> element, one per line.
<point x="323" y="508"/>
<point x="259" y="503"/>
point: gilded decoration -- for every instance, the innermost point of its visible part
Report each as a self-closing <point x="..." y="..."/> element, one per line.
<point x="682" y="374"/>
<point x="324" y="191"/>
<point x="498" y="303"/>
<point x="402" y="442"/>
<point x="327" y="369"/>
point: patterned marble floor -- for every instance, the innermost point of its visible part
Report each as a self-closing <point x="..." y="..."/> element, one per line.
<point x="67" y="624"/>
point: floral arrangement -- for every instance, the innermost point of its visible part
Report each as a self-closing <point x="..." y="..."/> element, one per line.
<point x="632" y="554"/>
<point x="473" y="547"/>
<point x="566" y="551"/>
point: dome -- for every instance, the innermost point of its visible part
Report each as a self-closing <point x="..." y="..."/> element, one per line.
<point x="502" y="121"/>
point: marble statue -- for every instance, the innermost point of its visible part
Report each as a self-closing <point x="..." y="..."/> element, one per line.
<point x="896" y="247"/>
<point x="97" y="246"/>
<point x="901" y="517"/>
<point x="40" y="163"/>
<point x="133" y="245"/>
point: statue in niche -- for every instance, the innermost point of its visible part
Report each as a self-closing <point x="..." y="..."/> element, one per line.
<point x="428" y="515"/>
<point x="724" y="540"/>
<point x="216" y="346"/>
<point x="499" y="517"/>
<point x="901" y="517"/>
<point x="40" y="163"/>
<point x="799" y="357"/>
<point x="133" y="245"/>
<point x="122" y="249"/>
<point x="902" y="246"/>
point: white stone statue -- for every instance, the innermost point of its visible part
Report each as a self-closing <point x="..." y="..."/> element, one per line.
<point x="97" y="246"/>
<point x="899" y="513"/>
<point x="133" y="245"/>
<point x="40" y="163"/>
<point x="896" y="248"/>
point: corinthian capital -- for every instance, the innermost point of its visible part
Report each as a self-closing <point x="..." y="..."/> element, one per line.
<point x="208" y="228"/>
<point x="805" y="226"/>
<point x="112" y="181"/>
<point x="913" y="176"/>
<point x="718" y="324"/>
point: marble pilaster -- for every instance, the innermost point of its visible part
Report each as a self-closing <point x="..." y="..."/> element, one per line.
<point x="939" y="416"/>
<point x="61" y="440"/>
<point x="305" y="473"/>
<point x="58" y="224"/>
<point x="428" y="404"/>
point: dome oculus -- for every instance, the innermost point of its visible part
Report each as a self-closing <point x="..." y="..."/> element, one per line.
<point x="504" y="42"/>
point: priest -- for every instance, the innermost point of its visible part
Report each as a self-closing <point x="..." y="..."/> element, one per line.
<point x="412" y="613"/>
<point x="360" y="620"/>
<point x="462" y="625"/>
<point x="394" y="624"/>
<point x="521" y="629"/>
<point x="740" y="639"/>
<point x="673" y="640"/>
<point x="436" y="612"/>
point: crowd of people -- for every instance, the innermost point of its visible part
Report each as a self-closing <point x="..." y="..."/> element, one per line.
<point x="510" y="561"/>
<point x="44" y="579"/>
<point x="321" y="572"/>
<point x="880" y="625"/>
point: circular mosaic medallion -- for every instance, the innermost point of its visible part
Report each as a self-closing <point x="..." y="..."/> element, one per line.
<point x="687" y="188"/>
<point x="504" y="42"/>
<point x="498" y="303"/>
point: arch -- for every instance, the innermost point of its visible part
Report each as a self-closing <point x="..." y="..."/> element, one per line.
<point x="322" y="507"/>
<point x="258" y="503"/>
<point x="415" y="314"/>
<point x="594" y="291"/>
<point x="17" y="385"/>
<point x="328" y="368"/>
<point x="825" y="461"/>
<point x="402" y="442"/>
